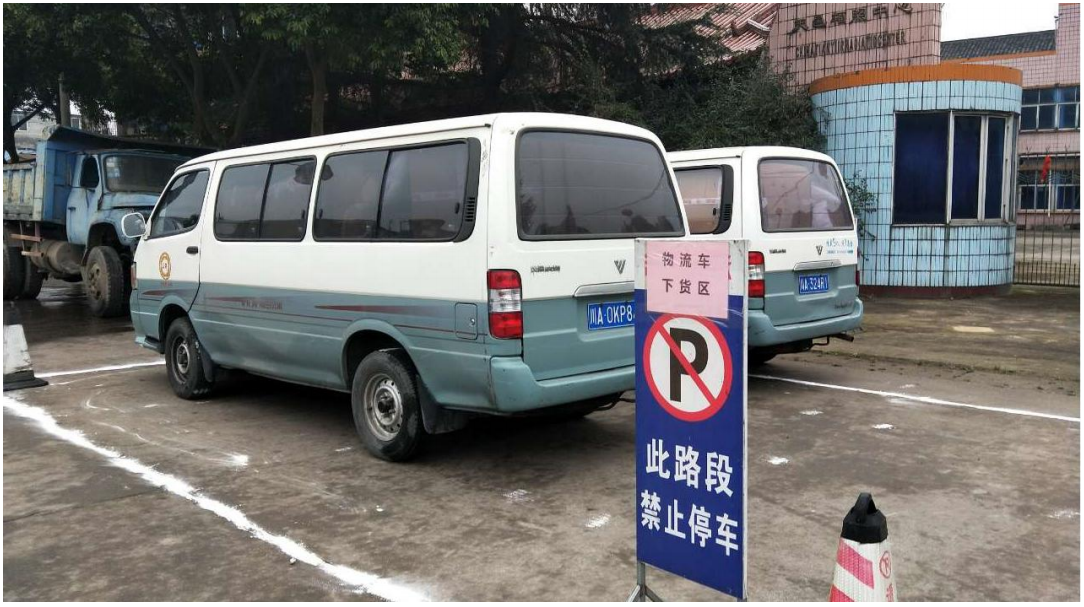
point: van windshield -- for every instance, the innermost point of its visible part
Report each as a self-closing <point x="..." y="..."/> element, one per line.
<point x="581" y="186"/>
<point x="139" y="173"/>
<point x="801" y="196"/>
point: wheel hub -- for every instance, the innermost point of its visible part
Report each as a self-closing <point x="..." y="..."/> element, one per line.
<point x="181" y="358"/>
<point x="383" y="407"/>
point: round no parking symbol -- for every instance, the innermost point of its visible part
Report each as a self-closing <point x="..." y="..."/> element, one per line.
<point x="688" y="366"/>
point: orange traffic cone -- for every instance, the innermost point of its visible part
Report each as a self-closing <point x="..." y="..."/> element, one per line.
<point x="863" y="561"/>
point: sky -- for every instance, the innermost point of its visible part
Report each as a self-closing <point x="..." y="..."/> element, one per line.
<point x="961" y="20"/>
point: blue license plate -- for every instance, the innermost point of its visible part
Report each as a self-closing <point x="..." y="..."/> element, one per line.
<point x="813" y="283"/>
<point x="610" y="315"/>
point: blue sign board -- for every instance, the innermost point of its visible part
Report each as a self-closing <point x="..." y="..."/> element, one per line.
<point x="690" y="421"/>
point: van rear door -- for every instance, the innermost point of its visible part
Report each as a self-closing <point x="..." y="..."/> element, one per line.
<point x="809" y="241"/>
<point x="581" y="199"/>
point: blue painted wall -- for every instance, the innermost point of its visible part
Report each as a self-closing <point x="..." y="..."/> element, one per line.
<point x="859" y="123"/>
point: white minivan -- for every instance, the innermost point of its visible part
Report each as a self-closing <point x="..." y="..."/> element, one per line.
<point x="792" y="206"/>
<point x="433" y="270"/>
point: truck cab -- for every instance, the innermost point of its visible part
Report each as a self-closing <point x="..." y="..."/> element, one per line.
<point x="62" y="212"/>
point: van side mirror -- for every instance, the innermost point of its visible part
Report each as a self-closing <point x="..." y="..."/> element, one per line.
<point x="133" y="225"/>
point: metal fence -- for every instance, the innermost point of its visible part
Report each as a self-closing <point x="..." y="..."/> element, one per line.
<point x="1047" y="248"/>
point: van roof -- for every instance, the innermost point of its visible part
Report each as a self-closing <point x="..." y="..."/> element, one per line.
<point x="517" y="119"/>
<point x="758" y="151"/>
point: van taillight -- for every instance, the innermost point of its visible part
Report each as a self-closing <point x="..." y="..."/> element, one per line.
<point x="505" y="304"/>
<point x="756" y="274"/>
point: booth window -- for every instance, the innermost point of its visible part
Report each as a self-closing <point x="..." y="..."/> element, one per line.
<point x="951" y="167"/>
<point x="1055" y="108"/>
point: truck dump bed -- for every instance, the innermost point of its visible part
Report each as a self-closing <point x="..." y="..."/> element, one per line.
<point x="38" y="190"/>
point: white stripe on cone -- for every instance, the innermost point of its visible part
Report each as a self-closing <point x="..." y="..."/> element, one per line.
<point x="863" y="573"/>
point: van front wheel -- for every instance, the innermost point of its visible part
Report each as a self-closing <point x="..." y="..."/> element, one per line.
<point x="184" y="361"/>
<point x="384" y="398"/>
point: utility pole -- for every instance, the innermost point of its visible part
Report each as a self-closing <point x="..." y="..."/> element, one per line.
<point x="64" y="118"/>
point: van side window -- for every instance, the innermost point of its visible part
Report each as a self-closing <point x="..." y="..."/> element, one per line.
<point x="407" y="194"/>
<point x="349" y="196"/>
<point x="286" y="202"/>
<point x="181" y="204"/>
<point x="240" y="196"/>
<point x="708" y="196"/>
<point x="423" y="193"/>
<point x="264" y="201"/>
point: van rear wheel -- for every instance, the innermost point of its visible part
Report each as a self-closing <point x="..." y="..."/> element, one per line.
<point x="384" y="398"/>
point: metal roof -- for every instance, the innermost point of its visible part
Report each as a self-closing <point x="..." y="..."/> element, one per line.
<point x="1009" y="44"/>
<point x="744" y="25"/>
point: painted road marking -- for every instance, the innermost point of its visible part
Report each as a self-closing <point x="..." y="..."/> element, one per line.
<point x="102" y="369"/>
<point x="921" y="399"/>
<point x="360" y="581"/>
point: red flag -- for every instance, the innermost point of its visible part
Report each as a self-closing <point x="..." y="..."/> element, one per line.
<point x="1046" y="169"/>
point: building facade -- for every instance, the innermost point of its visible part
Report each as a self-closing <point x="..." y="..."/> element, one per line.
<point x="1049" y="117"/>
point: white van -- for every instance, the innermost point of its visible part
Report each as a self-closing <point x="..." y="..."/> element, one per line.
<point x="792" y="206"/>
<point x="433" y="270"/>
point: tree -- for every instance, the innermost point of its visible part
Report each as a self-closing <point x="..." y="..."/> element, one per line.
<point x="373" y="42"/>
<point x="216" y="57"/>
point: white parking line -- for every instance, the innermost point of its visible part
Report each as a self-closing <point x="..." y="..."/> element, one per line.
<point x="359" y="581"/>
<point x="101" y="369"/>
<point x="921" y="399"/>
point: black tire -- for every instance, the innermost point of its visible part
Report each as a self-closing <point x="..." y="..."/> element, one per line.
<point x="32" y="281"/>
<point x="14" y="272"/>
<point x="757" y="359"/>
<point x="103" y="279"/>
<point x="387" y="414"/>
<point x="184" y="361"/>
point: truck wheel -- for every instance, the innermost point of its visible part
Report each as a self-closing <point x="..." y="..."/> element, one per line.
<point x="32" y="281"/>
<point x="103" y="278"/>
<point x="184" y="361"/>
<point x="387" y="414"/>
<point x="14" y="272"/>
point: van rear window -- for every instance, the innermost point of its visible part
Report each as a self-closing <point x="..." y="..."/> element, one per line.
<point x="801" y="196"/>
<point x="582" y="186"/>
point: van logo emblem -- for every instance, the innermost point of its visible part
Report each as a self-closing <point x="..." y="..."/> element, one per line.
<point x="819" y="249"/>
<point x="165" y="268"/>
<point x="620" y="265"/>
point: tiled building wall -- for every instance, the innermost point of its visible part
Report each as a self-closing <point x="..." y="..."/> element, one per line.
<point x="859" y="123"/>
<point x="1039" y="69"/>
<point x="921" y="30"/>
<point x="1067" y="41"/>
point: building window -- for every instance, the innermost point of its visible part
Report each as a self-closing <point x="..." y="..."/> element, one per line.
<point x="1058" y="190"/>
<point x="1050" y="108"/>
<point x="951" y="166"/>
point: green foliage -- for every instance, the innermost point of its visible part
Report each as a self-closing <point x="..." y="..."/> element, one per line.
<point x="247" y="73"/>
<point x="863" y="202"/>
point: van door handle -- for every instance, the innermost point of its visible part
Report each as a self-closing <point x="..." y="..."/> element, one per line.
<point x="192" y="250"/>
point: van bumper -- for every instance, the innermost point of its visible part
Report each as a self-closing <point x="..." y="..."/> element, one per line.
<point x="763" y="333"/>
<point x="516" y="390"/>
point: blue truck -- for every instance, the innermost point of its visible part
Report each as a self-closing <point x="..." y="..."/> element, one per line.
<point x="63" y="209"/>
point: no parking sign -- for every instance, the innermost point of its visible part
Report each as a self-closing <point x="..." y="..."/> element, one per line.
<point x="690" y="411"/>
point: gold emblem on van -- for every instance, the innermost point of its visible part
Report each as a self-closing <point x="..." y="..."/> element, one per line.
<point x="165" y="267"/>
